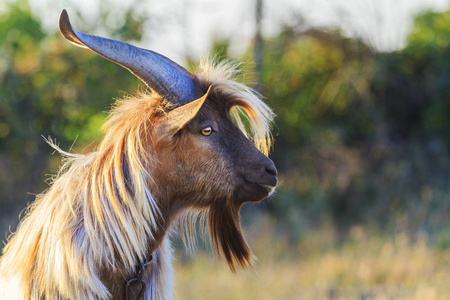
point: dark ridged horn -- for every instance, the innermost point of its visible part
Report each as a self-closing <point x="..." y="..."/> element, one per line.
<point x="159" y="73"/>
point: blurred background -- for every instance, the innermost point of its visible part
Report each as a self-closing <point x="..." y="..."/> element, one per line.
<point x="361" y="90"/>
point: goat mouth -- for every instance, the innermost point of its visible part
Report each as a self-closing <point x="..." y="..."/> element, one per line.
<point x="270" y="188"/>
<point x="270" y="183"/>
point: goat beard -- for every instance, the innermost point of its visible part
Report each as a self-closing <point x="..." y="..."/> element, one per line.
<point x="226" y="234"/>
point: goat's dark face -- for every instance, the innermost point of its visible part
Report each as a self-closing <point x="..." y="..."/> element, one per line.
<point x="207" y="163"/>
<point x="210" y="159"/>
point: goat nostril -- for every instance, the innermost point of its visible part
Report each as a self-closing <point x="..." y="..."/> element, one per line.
<point x="271" y="170"/>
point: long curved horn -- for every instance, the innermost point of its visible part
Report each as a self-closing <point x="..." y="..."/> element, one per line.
<point x="159" y="73"/>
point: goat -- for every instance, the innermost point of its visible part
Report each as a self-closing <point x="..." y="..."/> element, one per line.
<point x="169" y="157"/>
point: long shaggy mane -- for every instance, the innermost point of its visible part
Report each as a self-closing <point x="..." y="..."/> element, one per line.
<point x="99" y="211"/>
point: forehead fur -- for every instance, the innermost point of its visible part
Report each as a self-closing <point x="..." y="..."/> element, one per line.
<point x="251" y="114"/>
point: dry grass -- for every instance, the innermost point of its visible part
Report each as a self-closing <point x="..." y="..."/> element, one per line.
<point x="363" y="266"/>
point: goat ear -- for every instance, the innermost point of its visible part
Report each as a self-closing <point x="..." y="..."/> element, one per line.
<point x="176" y="119"/>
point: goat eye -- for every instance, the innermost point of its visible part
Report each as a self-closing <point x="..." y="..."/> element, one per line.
<point x="206" y="131"/>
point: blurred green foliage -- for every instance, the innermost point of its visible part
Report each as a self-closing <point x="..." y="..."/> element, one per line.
<point x="47" y="88"/>
<point x="361" y="136"/>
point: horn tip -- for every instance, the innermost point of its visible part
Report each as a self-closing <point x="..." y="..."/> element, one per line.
<point x="66" y="29"/>
<point x="64" y="23"/>
<point x="63" y="18"/>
